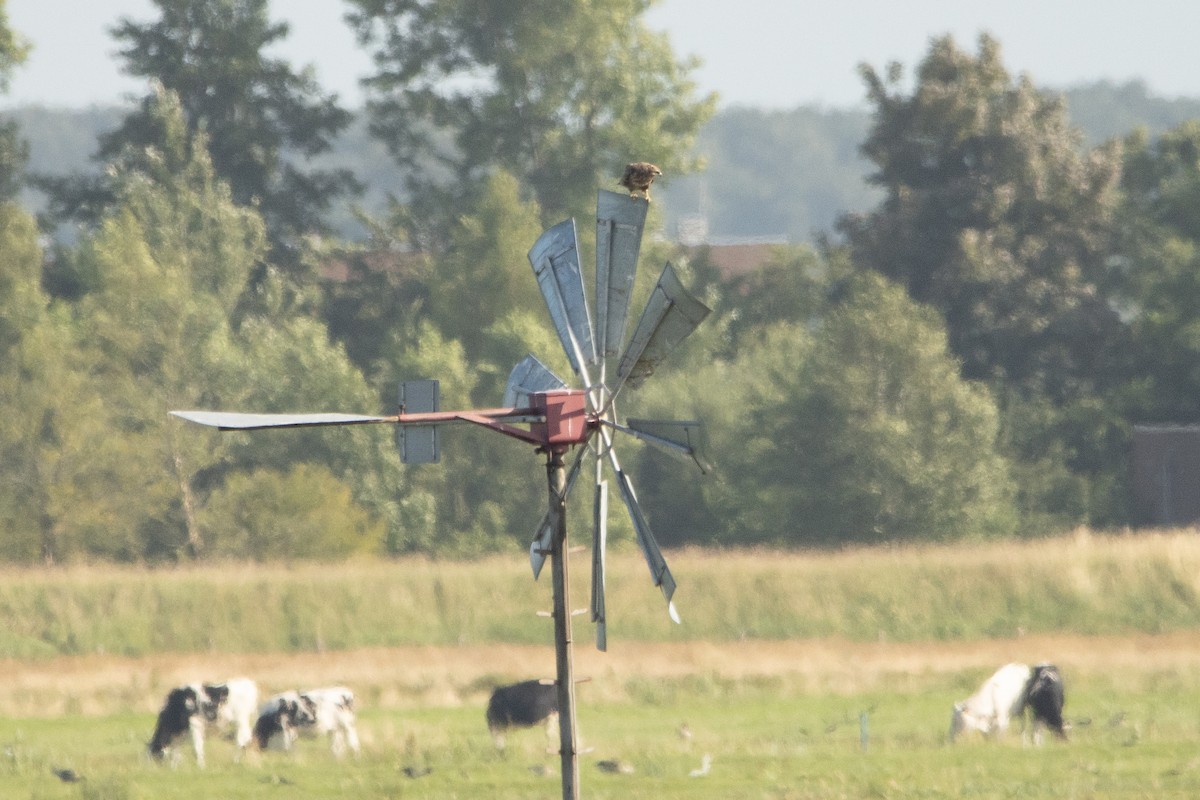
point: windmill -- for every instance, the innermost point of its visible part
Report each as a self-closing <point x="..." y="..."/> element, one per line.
<point x="541" y="410"/>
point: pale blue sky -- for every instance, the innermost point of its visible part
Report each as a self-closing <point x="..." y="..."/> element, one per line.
<point x="766" y="53"/>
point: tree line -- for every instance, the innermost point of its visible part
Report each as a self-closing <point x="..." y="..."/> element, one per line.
<point x="964" y="358"/>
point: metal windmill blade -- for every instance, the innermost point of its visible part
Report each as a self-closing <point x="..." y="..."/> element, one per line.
<point x="671" y="314"/>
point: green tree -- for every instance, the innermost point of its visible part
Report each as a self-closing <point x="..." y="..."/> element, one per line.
<point x="39" y="408"/>
<point x="14" y="153"/>
<point x="560" y="94"/>
<point x="304" y="513"/>
<point x="263" y="120"/>
<point x="162" y="330"/>
<point x="1160" y="250"/>
<point x="995" y="215"/>
<point x="860" y="430"/>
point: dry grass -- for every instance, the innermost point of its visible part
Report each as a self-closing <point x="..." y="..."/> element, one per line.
<point x="451" y="676"/>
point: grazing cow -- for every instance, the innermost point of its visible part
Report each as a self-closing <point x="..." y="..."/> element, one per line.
<point x="999" y="699"/>
<point x="278" y="721"/>
<point x="184" y="711"/>
<point x="234" y="705"/>
<point x="330" y="710"/>
<point x="193" y="707"/>
<point x="1044" y="698"/>
<point x="522" y="705"/>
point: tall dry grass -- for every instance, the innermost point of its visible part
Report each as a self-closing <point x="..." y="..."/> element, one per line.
<point x="1082" y="583"/>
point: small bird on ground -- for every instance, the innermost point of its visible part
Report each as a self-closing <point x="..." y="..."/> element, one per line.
<point x="615" y="766"/>
<point x="67" y="775"/>
<point x="638" y="177"/>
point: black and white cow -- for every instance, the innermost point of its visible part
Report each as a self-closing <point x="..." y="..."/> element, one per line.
<point x="522" y="705"/>
<point x="184" y="711"/>
<point x="1044" y="698"/>
<point x="998" y="701"/>
<point x="331" y="710"/>
<point x="236" y="704"/>
<point x="193" y="707"/>
<point x="278" y="720"/>
<point x="1012" y="692"/>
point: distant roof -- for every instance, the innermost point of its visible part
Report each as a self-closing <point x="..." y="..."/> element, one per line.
<point x="733" y="260"/>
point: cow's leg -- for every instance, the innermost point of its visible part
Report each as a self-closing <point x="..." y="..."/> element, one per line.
<point x="352" y="738"/>
<point x="242" y="737"/>
<point x="196" y="724"/>
<point x="337" y="742"/>
<point x="552" y="731"/>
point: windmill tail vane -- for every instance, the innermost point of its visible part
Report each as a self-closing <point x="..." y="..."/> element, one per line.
<point x="541" y="409"/>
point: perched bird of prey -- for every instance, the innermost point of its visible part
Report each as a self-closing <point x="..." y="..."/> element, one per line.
<point x="638" y="177"/>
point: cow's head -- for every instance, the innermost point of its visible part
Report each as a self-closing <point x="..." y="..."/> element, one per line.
<point x="213" y="697"/>
<point x="305" y="711"/>
<point x="962" y="718"/>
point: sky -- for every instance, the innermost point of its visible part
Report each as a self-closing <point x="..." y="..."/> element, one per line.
<point x="772" y="54"/>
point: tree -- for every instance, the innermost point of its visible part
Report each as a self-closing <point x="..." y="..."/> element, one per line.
<point x="13" y="151"/>
<point x="560" y="94"/>
<point x="1160" y="250"/>
<point x="162" y="330"/>
<point x="862" y="431"/>
<point x="39" y="408"/>
<point x="261" y="118"/>
<point x="995" y="215"/>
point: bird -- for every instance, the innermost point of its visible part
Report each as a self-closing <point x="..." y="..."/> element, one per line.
<point x="638" y="177"/>
<point x="67" y="775"/>
<point x="705" y="766"/>
<point x="615" y="766"/>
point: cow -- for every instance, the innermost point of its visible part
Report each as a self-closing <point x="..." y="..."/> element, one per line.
<point x="999" y="700"/>
<point x="278" y="720"/>
<point x="234" y="704"/>
<point x="184" y="711"/>
<point x="330" y="711"/>
<point x="193" y="707"/>
<point x="1044" y="697"/>
<point x="1014" y="691"/>
<point x="522" y="705"/>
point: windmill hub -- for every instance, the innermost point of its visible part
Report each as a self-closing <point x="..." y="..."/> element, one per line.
<point x="566" y="419"/>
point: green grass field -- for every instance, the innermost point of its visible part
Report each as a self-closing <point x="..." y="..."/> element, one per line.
<point x="764" y="744"/>
<point x="802" y="676"/>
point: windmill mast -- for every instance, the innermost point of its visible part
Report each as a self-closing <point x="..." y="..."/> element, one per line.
<point x="556" y="475"/>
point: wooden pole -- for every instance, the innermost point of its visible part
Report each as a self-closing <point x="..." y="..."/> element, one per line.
<point x="556" y="475"/>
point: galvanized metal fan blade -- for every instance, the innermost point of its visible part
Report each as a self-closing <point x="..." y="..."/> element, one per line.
<point x="677" y="437"/>
<point x="620" y="221"/>
<point x="544" y="535"/>
<point x="555" y="260"/>
<point x="528" y="376"/>
<point x="671" y="314"/>
<point x="659" y="572"/>
<point x="237" y="421"/>
<point x="599" y="548"/>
